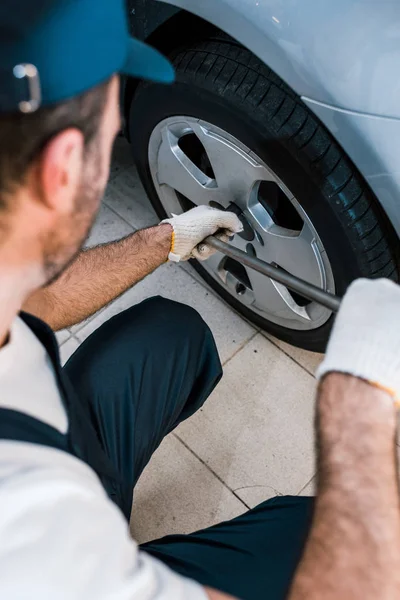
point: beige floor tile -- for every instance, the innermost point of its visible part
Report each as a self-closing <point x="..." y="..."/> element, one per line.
<point x="170" y="281"/>
<point x="68" y="348"/>
<point x="178" y="494"/>
<point x="108" y="227"/>
<point x="257" y="427"/>
<point x="309" y="360"/>
<point x="125" y="195"/>
<point x="310" y="489"/>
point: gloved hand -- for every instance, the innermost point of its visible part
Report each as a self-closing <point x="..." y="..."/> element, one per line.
<point x="365" y="340"/>
<point x="192" y="227"/>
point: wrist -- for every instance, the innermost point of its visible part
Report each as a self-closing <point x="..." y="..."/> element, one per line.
<point x="365" y="340"/>
<point x="161" y="237"/>
<point x="343" y="388"/>
<point x="350" y="406"/>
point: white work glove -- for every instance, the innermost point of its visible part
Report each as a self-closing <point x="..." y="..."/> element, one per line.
<point x="192" y="227"/>
<point x="365" y="340"/>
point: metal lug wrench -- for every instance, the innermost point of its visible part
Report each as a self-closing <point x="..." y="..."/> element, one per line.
<point x="308" y="290"/>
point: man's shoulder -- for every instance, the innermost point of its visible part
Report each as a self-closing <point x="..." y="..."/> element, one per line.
<point x="23" y="463"/>
<point x="60" y="531"/>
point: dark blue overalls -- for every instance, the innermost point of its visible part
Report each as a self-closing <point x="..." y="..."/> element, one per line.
<point x="126" y="387"/>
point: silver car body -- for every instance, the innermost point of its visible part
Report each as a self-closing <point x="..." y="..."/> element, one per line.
<point x="343" y="58"/>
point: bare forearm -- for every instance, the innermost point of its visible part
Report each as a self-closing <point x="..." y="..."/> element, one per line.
<point x="100" y="274"/>
<point x="353" y="550"/>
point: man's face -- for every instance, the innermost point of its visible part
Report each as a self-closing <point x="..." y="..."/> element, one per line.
<point x="70" y="231"/>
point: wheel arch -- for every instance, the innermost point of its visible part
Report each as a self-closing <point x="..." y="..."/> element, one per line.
<point x="166" y="26"/>
<point x="297" y="40"/>
<point x="171" y="29"/>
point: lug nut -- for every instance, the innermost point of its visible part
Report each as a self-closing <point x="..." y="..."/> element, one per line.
<point x="240" y="289"/>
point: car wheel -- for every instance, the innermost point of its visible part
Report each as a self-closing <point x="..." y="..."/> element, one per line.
<point x="229" y="130"/>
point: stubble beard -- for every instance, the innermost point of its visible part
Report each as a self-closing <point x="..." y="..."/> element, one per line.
<point x="64" y="244"/>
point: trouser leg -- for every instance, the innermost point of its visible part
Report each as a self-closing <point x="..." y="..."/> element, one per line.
<point x="142" y="373"/>
<point x="252" y="557"/>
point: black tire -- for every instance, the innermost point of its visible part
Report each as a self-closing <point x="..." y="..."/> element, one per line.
<point x="224" y="84"/>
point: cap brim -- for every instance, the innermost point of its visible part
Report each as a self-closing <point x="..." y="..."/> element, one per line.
<point x="145" y="62"/>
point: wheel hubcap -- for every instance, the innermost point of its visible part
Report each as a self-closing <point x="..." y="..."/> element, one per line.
<point x="193" y="162"/>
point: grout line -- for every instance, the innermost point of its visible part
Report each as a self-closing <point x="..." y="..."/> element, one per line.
<point x="288" y="355"/>
<point x="308" y="482"/>
<point x="121" y="217"/>
<point x="211" y="470"/>
<point x="240" y="348"/>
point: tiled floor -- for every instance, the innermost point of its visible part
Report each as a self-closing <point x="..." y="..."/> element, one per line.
<point x="254" y="437"/>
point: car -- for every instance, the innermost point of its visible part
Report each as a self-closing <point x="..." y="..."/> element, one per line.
<point x="287" y="111"/>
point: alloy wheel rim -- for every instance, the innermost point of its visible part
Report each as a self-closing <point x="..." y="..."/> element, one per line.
<point x="193" y="162"/>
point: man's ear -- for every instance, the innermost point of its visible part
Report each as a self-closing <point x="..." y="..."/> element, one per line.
<point x="59" y="170"/>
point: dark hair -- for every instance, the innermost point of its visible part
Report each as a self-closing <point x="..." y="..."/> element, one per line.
<point x="23" y="136"/>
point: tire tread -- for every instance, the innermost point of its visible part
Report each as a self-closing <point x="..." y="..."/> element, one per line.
<point x="241" y="77"/>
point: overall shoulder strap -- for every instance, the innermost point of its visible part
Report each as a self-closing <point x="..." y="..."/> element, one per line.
<point x="20" y="427"/>
<point x="45" y="335"/>
<point x="82" y="439"/>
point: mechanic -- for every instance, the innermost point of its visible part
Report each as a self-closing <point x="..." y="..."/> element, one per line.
<point x="74" y="440"/>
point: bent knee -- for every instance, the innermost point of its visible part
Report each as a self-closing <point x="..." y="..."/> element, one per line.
<point x="162" y="312"/>
<point x="155" y="320"/>
<point x="155" y="327"/>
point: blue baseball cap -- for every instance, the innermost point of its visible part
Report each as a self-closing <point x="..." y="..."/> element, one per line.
<point x="52" y="50"/>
